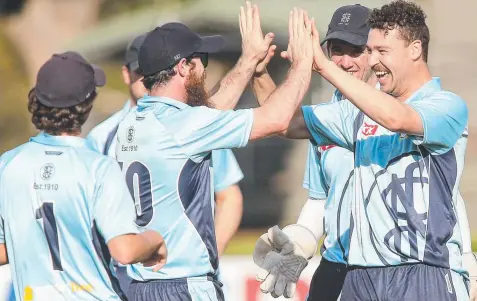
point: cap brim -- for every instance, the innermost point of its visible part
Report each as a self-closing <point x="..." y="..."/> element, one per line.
<point x="212" y="44"/>
<point x="134" y="66"/>
<point x="99" y="76"/>
<point x="349" y="37"/>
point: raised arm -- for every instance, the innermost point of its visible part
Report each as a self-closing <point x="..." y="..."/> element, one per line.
<point x="226" y="94"/>
<point x="262" y="83"/>
<point x="263" y="86"/>
<point x="383" y="108"/>
<point x="274" y="116"/>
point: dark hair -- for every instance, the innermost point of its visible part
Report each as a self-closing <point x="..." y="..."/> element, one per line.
<point x="159" y="78"/>
<point x="56" y="121"/>
<point x="407" y="17"/>
<point x="162" y="77"/>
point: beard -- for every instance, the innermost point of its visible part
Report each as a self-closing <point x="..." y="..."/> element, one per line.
<point x="195" y="89"/>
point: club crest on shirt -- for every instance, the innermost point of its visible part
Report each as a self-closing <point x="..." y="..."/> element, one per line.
<point x="130" y="135"/>
<point x="47" y="171"/>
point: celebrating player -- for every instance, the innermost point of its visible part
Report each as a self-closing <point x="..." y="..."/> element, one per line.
<point x="69" y="203"/>
<point x="328" y="174"/>
<point x="165" y="144"/>
<point x="227" y="173"/>
<point x="407" y="165"/>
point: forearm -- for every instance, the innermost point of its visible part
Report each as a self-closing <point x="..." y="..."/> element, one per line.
<point x="148" y="244"/>
<point x="227" y="92"/>
<point x="312" y="216"/>
<point x="275" y="115"/>
<point x="384" y="109"/>
<point x="228" y="217"/>
<point x="263" y="86"/>
<point x="3" y="254"/>
<point x="133" y="248"/>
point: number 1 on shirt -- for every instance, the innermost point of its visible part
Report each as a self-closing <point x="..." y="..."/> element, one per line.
<point x="46" y="212"/>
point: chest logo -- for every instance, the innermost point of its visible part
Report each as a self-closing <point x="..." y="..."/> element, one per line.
<point x="47" y="171"/>
<point x="130" y="135"/>
<point x="369" y="129"/>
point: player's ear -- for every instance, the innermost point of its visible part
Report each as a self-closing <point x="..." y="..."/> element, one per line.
<point x="183" y="68"/>
<point x="415" y="49"/>
<point x="126" y="77"/>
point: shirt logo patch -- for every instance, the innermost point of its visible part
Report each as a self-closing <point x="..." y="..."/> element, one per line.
<point x="130" y="136"/>
<point x="369" y="129"/>
<point x="324" y="148"/>
<point x="47" y="171"/>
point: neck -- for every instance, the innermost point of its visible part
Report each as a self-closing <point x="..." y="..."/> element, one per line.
<point x="419" y="77"/>
<point x="133" y="101"/>
<point x="66" y="134"/>
<point x="170" y="92"/>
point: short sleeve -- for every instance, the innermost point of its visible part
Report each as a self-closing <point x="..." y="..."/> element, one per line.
<point x="331" y="123"/>
<point x="205" y="129"/>
<point x="314" y="180"/>
<point x="114" y="209"/>
<point x="227" y="172"/>
<point x="444" y="118"/>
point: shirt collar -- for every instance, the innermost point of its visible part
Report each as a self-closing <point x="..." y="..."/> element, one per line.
<point x="127" y="106"/>
<point x="431" y="86"/>
<point x="148" y="101"/>
<point x="44" y="138"/>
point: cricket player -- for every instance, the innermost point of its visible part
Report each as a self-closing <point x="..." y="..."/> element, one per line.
<point x="328" y="173"/>
<point x="406" y="239"/>
<point x="165" y="143"/>
<point x="65" y="209"/>
<point x="227" y="172"/>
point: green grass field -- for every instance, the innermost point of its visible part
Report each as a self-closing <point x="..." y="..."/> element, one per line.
<point x="244" y="242"/>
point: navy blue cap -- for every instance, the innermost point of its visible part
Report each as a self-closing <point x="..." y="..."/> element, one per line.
<point x="132" y="53"/>
<point x="349" y="24"/>
<point x="168" y="44"/>
<point x="66" y="80"/>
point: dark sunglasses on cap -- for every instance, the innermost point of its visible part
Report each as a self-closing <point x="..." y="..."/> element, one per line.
<point x="204" y="57"/>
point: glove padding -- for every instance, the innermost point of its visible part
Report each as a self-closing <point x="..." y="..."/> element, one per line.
<point x="282" y="259"/>
<point x="470" y="264"/>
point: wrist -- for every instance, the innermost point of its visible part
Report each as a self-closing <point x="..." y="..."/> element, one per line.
<point x="301" y="65"/>
<point x="320" y="64"/>
<point x="248" y="60"/>
<point x="260" y="75"/>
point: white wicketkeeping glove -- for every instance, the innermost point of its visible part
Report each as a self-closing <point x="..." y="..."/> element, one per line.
<point x="283" y="254"/>
<point x="470" y="264"/>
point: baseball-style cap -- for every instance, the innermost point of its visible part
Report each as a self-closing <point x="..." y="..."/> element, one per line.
<point x="168" y="44"/>
<point x="132" y="52"/>
<point x="66" y="80"/>
<point x="349" y="24"/>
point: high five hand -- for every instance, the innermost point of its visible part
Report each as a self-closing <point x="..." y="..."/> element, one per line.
<point x="254" y="45"/>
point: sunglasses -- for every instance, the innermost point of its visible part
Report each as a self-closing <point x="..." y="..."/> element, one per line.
<point x="204" y="58"/>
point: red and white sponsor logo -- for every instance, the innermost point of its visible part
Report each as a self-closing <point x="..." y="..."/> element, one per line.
<point x="369" y="129"/>
<point x="324" y="148"/>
